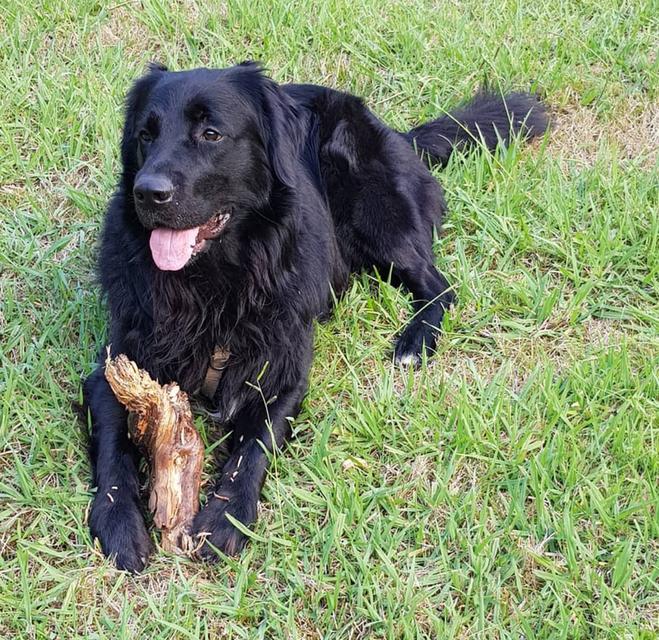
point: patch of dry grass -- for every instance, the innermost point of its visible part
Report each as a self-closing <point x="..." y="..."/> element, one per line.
<point x="579" y="135"/>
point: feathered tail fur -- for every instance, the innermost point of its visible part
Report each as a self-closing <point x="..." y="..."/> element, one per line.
<point x="486" y="119"/>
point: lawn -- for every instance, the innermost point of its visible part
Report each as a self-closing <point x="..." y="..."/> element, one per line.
<point x="507" y="489"/>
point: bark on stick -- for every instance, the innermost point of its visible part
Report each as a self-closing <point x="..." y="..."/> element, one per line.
<point x="161" y="425"/>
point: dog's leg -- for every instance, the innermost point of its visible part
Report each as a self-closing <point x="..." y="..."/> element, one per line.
<point x="432" y="297"/>
<point x="256" y="434"/>
<point x="115" y="517"/>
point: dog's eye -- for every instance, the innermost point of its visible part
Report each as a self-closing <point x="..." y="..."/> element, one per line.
<point x="211" y="135"/>
<point x="145" y="136"/>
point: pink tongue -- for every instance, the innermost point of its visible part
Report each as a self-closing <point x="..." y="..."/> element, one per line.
<point x="172" y="248"/>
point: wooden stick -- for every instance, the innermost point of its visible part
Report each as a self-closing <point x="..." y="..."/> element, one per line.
<point x="161" y="425"/>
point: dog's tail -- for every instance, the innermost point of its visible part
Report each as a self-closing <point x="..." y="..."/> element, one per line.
<point x="486" y="119"/>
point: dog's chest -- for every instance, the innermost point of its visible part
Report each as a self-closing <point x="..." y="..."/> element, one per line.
<point x="229" y="383"/>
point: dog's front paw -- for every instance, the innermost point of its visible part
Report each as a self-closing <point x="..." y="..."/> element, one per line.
<point x="118" y="524"/>
<point x="214" y="530"/>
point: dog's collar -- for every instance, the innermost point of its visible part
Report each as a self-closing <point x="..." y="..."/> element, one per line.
<point x="214" y="372"/>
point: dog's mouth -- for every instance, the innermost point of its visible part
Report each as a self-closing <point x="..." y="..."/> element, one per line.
<point x="172" y="249"/>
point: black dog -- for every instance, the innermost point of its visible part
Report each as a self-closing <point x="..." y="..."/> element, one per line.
<point x="242" y="208"/>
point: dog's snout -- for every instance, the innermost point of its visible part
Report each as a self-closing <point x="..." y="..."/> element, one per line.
<point x="153" y="190"/>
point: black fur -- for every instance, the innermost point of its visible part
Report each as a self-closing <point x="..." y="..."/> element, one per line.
<point x="317" y="187"/>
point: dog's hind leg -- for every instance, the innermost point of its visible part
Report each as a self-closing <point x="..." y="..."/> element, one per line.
<point x="432" y="297"/>
<point x="395" y="231"/>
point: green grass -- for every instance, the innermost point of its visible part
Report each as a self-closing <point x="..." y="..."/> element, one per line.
<point x="508" y="489"/>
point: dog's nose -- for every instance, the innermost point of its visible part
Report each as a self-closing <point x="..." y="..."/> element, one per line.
<point x="153" y="190"/>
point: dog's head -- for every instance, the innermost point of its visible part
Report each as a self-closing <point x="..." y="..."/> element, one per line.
<point x="202" y="150"/>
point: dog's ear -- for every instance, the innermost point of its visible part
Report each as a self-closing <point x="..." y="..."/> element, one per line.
<point x="279" y="119"/>
<point x="135" y="101"/>
<point x="283" y="132"/>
